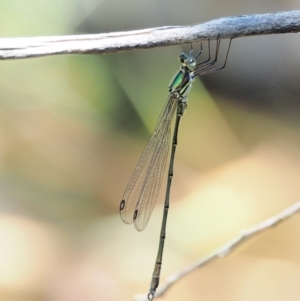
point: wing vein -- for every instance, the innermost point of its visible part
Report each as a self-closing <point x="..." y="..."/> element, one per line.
<point x="142" y="190"/>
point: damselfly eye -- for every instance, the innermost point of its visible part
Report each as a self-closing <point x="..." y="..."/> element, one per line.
<point x="182" y="58"/>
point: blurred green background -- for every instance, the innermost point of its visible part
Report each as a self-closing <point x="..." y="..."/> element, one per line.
<point x="72" y="128"/>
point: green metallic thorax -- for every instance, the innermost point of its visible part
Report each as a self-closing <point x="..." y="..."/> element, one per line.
<point x="181" y="83"/>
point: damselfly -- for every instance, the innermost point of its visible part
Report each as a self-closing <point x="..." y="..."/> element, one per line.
<point x="140" y="195"/>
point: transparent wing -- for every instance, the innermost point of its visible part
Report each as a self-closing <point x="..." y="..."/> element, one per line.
<point x="142" y="190"/>
<point x="152" y="183"/>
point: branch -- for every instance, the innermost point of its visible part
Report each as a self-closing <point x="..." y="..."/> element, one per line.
<point x="226" y="249"/>
<point x="239" y="26"/>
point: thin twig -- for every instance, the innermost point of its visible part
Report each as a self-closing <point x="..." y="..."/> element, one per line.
<point x="238" y="26"/>
<point x="226" y="249"/>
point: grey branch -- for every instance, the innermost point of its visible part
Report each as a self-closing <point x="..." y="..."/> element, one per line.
<point x="238" y="26"/>
<point x="224" y="250"/>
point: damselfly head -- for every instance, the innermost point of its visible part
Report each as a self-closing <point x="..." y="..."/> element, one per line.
<point x="187" y="61"/>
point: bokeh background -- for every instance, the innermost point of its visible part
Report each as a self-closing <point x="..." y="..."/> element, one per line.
<point x="72" y="128"/>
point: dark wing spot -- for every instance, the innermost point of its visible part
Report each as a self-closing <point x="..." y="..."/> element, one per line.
<point x="135" y="214"/>
<point x="122" y="205"/>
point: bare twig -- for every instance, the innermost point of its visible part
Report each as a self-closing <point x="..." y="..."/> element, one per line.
<point x="224" y="250"/>
<point x="239" y="26"/>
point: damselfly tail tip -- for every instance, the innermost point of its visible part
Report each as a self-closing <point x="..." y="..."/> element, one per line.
<point x="150" y="296"/>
